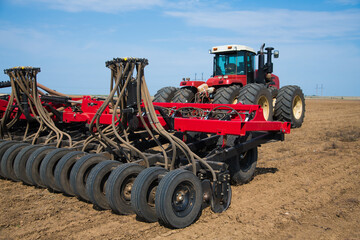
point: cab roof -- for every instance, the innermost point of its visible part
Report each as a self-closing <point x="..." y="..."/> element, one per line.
<point x="230" y="48"/>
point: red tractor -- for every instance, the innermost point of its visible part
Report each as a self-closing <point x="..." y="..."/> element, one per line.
<point x="235" y="80"/>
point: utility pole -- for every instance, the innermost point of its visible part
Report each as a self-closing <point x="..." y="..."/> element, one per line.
<point x="322" y="88"/>
<point x="317" y="87"/>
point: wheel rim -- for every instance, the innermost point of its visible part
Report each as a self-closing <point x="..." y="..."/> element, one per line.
<point x="183" y="199"/>
<point x="297" y="107"/>
<point x="273" y="102"/>
<point x="235" y="101"/>
<point x="151" y="194"/>
<point x="126" y="188"/>
<point x="264" y="103"/>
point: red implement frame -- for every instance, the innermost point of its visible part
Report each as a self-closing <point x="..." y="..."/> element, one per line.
<point x="238" y="124"/>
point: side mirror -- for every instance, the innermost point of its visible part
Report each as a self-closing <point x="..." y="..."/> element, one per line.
<point x="276" y="53"/>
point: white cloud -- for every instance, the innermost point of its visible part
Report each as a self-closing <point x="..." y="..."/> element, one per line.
<point x="107" y="6"/>
<point x="280" y="24"/>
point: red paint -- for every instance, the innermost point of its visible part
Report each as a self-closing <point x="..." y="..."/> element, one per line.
<point x="237" y="125"/>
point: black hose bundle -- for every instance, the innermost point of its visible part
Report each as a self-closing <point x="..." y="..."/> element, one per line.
<point x="127" y="74"/>
<point x="25" y="96"/>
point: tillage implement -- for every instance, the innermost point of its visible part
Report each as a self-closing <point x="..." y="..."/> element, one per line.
<point x="163" y="161"/>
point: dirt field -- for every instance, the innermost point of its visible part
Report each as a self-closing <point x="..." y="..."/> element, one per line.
<point x="307" y="187"/>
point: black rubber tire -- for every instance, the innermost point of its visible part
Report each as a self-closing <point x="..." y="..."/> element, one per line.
<point x="227" y="95"/>
<point x="184" y="95"/>
<point x="33" y="165"/>
<point x="20" y="162"/>
<point x="80" y="172"/>
<point x="63" y="169"/>
<point x="256" y="94"/>
<point x="289" y="99"/>
<point x="274" y="91"/>
<point x="3" y="147"/>
<point x="143" y="193"/>
<point x="120" y="179"/>
<point x="96" y="182"/>
<point x="242" y="167"/>
<point x="183" y="213"/>
<point x="165" y="94"/>
<point x="48" y="165"/>
<point x="7" y="161"/>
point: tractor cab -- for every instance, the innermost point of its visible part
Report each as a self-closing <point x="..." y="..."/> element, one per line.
<point x="233" y="64"/>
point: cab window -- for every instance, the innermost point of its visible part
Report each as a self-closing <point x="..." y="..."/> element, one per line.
<point x="229" y="64"/>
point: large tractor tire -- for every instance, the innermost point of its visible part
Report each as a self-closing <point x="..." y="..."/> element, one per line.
<point x="165" y="94"/>
<point x="290" y="105"/>
<point x="227" y="95"/>
<point x="184" y="95"/>
<point x="258" y="94"/>
<point x="274" y="91"/>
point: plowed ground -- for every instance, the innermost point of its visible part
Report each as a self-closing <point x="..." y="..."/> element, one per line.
<point x="307" y="187"/>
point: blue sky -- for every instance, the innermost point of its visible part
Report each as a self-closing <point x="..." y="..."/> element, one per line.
<point x="319" y="41"/>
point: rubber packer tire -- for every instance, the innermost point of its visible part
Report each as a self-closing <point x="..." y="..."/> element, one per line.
<point x="144" y="185"/>
<point x="285" y="103"/>
<point x="227" y="95"/>
<point x="48" y="165"/>
<point x="242" y="170"/>
<point x="63" y="169"/>
<point x="7" y="161"/>
<point x="33" y="165"/>
<point x="115" y="185"/>
<point x="184" y="95"/>
<point x="96" y="182"/>
<point x="20" y="162"/>
<point x="164" y="201"/>
<point x="80" y="172"/>
<point x="165" y="94"/>
<point x="252" y="93"/>
<point x="3" y="147"/>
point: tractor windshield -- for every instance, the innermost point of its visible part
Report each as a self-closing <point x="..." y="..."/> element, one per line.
<point x="229" y="63"/>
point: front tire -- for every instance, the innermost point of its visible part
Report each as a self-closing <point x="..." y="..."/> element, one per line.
<point x="184" y="95"/>
<point x="290" y="105"/>
<point x="258" y="94"/>
<point x="227" y="95"/>
<point x="165" y="94"/>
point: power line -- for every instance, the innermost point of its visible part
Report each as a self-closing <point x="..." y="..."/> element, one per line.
<point x="321" y="89"/>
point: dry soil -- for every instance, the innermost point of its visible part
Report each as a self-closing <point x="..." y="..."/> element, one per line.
<point x="307" y="187"/>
